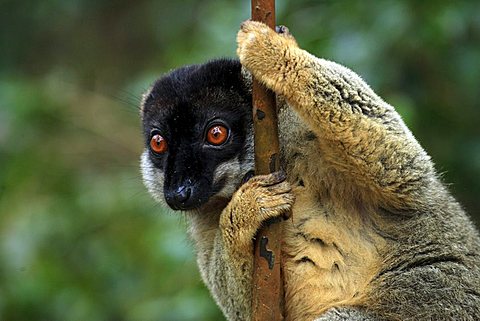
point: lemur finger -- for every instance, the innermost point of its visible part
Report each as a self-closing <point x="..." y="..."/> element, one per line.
<point x="269" y="179"/>
<point x="280" y="188"/>
<point x="249" y="25"/>
<point x="282" y="30"/>
<point x="247" y="177"/>
<point x="243" y="25"/>
<point x="280" y="210"/>
<point x="275" y="201"/>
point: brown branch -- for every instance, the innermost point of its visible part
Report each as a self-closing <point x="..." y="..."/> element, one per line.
<point x="268" y="294"/>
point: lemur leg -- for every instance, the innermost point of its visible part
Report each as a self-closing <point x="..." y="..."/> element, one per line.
<point x="229" y="266"/>
<point x="359" y="133"/>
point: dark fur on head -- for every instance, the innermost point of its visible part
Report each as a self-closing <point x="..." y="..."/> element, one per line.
<point x="180" y="107"/>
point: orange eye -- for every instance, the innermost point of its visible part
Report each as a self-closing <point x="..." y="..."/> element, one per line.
<point x="158" y="144"/>
<point x="217" y="135"/>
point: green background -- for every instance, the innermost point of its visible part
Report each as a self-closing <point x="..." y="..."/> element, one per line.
<point x="80" y="238"/>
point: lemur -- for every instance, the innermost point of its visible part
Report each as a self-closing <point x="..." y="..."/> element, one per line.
<point x="374" y="234"/>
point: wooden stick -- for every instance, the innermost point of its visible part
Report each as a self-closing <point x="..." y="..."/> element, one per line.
<point x="268" y="294"/>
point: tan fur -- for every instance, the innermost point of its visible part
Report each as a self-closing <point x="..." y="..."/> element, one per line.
<point x="325" y="229"/>
<point x="343" y="250"/>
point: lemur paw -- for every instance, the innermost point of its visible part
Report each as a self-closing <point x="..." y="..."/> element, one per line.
<point x="257" y="39"/>
<point x="273" y="195"/>
<point x="261" y="198"/>
<point x="285" y="32"/>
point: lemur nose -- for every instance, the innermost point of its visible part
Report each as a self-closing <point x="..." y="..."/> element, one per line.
<point x="182" y="194"/>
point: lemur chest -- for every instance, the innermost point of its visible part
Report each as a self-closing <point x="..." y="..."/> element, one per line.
<point x="329" y="254"/>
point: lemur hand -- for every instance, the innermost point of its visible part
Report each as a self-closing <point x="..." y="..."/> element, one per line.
<point x="261" y="198"/>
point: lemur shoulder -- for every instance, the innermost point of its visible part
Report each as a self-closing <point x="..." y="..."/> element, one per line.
<point x="373" y="235"/>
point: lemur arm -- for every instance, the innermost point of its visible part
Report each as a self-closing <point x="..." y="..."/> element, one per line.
<point x="226" y="259"/>
<point x="226" y="269"/>
<point x="360" y="134"/>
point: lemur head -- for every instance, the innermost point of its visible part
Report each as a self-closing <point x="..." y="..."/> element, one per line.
<point x="198" y="134"/>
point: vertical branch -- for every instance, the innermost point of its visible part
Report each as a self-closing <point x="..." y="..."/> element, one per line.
<point x="267" y="299"/>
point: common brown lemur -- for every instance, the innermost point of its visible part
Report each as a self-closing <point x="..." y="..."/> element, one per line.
<point x="373" y="235"/>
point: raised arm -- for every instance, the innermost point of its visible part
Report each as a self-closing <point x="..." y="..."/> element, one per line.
<point x="360" y="134"/>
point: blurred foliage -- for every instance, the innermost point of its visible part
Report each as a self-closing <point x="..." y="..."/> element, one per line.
<point x="80" y="239"/>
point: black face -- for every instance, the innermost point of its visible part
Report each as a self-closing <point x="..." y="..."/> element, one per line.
<point x="197" y="122"/>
